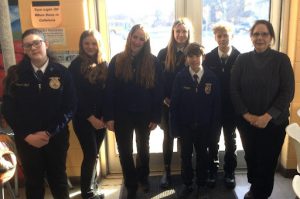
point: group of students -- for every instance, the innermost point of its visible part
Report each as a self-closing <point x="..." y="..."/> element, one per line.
<point x="192" y="96"/>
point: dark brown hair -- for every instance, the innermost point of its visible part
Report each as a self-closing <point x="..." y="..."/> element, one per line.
<point x="267" y="24"/>
<point x="194" y="49"/>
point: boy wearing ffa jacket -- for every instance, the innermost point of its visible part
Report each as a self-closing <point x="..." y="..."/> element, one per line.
<point x="194" y="114"/>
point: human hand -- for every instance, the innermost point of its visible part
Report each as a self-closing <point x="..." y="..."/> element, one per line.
<point x="96" y="123"/>
<point x="152" y="126"/>
<point x="167" y="101"/>
<point x="250" y="118"/>
<point x="262" y="121"/>
<point x="111" y="125"/>
<point x="38" y="139"/>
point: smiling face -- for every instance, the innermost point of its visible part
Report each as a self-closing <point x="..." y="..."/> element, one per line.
<point x="222" y="37"/>
<point x="36" y="48"/>
<point x="137" y="41"/>
<point x="194" y="61"/>
<point x="261" y="38"/>
<point x="180" y="33"/>
<point x="90" y="46"/>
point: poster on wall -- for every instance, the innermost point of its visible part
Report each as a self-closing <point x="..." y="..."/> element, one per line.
<point x="45" y="14"/>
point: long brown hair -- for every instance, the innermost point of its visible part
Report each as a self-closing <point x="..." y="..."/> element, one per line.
<point x="93" y="68"/>
<point x="145" y="74"/>
<point x="170" y="62"/>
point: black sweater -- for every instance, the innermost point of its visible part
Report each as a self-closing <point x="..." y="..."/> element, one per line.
<point x="90" y="96"/>
<point x="263" y="82"/>
<point x="122" y="96"/>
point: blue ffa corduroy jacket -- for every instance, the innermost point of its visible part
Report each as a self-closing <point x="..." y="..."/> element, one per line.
<point x="31" y="105"/>
<point x="189" y="107"/>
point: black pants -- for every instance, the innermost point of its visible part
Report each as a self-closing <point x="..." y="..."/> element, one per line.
<point x="262" y="148"/>
<point x="90" y="141"/>
<point x="48" y="161"/>
<point x="194" y="137"/>
<point x="230" y="160"/>
<point x="168" y="140"/>
<point x="125" y="124"/>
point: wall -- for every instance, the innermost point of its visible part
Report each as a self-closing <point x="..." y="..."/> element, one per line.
<point x="288" y="157"/>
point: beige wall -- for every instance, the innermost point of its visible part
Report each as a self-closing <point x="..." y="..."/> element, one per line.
<point x="288" y="157"/>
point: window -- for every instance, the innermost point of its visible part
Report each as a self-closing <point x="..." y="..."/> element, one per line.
<point x="157" y="16"/>
<point x="240" y="13"/>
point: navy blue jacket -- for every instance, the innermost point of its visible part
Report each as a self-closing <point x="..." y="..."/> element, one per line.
<point x="30" y="105"/>
<point x="223" y="72"/>
<point x="169" y="76"/>
<point x="90" y="96"/>
<point x="129" y="96"/>
<point x="189" y="107"/>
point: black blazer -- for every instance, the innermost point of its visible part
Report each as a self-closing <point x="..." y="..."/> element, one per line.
<point x="223" y="72"/>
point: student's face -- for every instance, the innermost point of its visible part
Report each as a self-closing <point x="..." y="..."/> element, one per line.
<point x="137" y="41"/>
<point x="35" y="47"/>
<point x="222" y="38"/>
<point x="261" y="38"/>
<point x="90" y="46"/>
<point x="181" y="34"/>
<point x="194" y="61"/>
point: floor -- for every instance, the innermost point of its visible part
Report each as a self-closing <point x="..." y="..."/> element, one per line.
<point x="113" y="189"/>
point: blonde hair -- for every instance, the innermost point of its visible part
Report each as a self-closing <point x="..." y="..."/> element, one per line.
<point x="223" y="26"/>
<point x="145" y="74"/>
<point x="93" y="68"/>
<point x="171" y="48"/>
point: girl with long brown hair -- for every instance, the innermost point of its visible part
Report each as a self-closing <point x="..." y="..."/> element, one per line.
<point x="173" y="60"/>
<point x="89" y="71"/>
<point x="134" y="98"/>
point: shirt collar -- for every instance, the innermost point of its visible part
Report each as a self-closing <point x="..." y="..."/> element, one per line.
<point x="199" y="73"/>
<point x="180" y="49"/>
<point x="43" y="68"/>
<point x="220" y="53"/>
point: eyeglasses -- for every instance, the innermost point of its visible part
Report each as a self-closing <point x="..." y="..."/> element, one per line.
<point x="35" y="44"/>
<point x="262" y="34"/>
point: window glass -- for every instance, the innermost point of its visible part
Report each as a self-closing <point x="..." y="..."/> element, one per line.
<point x="240" y="13"/>
<point x="156" y="15"/>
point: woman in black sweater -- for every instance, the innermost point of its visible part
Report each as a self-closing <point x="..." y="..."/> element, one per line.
<point x="262" y="87"/>
<point x="89" y="71"/>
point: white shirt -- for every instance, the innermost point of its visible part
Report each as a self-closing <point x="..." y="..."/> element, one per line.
<point x="43" y="68"/>
<point x="226" y="54"/>
<point x="199" y="73"/>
